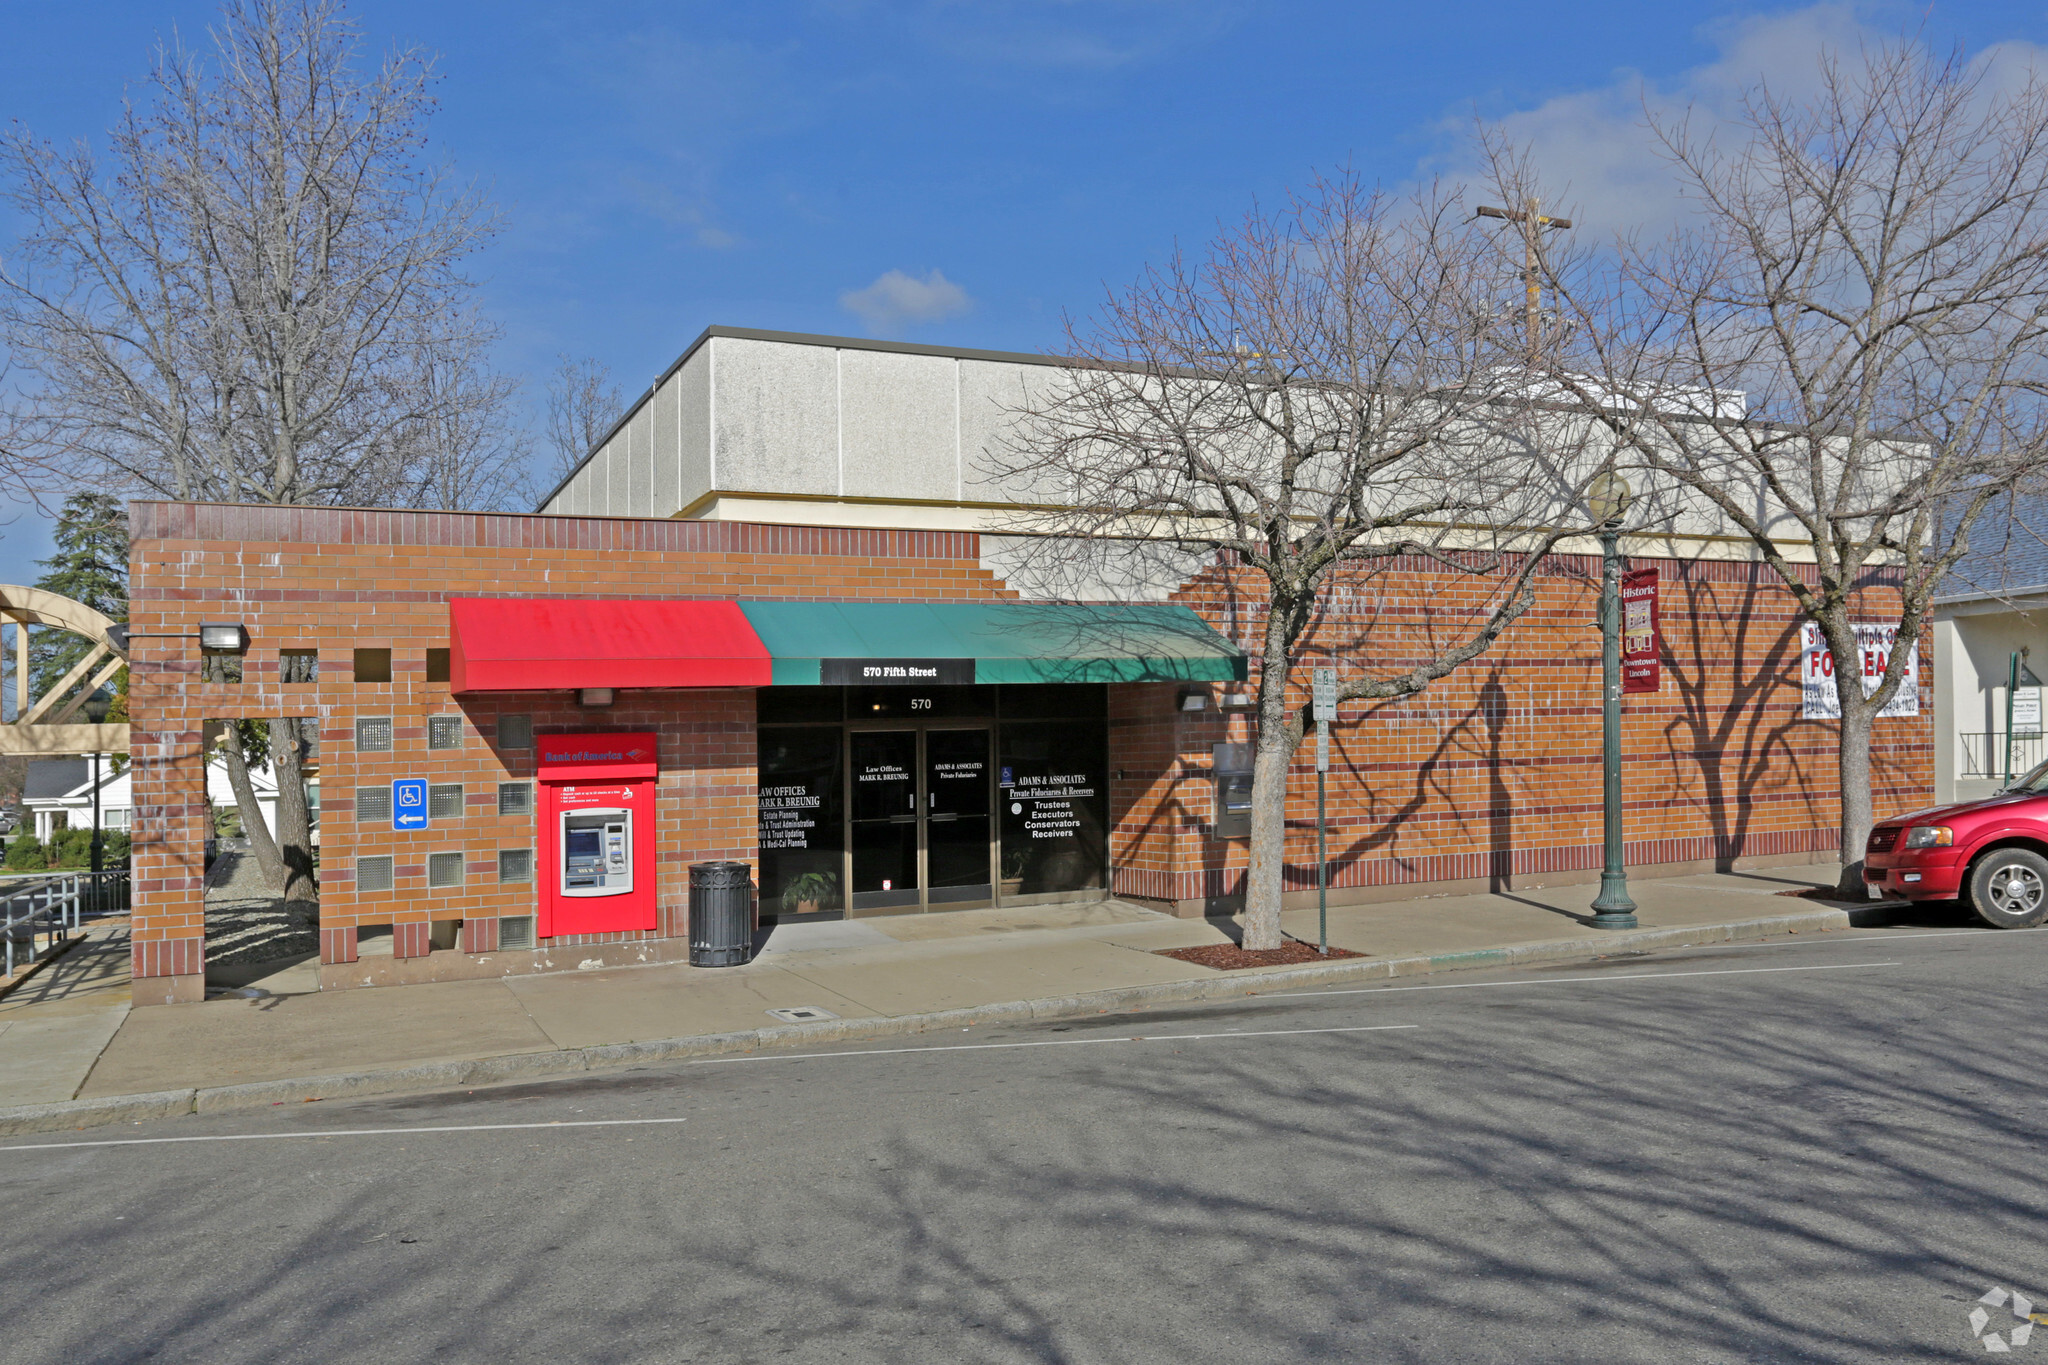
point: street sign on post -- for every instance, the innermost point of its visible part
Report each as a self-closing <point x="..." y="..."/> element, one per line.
<point x="1325" y="703"/>
<point x="1324" y="700"/>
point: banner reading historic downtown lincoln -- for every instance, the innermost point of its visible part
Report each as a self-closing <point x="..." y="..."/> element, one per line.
<point x="1641" y="633"/>
<point x="1874" y="646"/>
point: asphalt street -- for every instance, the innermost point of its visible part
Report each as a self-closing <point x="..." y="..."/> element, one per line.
<point x="1819" y="1148"/>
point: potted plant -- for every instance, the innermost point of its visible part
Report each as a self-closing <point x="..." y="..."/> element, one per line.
<point x="803" y="895"/>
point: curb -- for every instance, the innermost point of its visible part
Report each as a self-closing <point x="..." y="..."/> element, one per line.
<point x="550" y="1065"/>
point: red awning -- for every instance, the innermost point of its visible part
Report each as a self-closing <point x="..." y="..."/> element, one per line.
<point x="526" y="644"/>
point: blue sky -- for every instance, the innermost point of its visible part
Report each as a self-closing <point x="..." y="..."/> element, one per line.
<point x="952" y="171"/>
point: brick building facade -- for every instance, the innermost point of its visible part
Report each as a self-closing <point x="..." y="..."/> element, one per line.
<point x="1493" y="775"/>
<point x="1490" y="775"/>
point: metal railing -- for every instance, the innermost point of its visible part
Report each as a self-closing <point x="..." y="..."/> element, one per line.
<point x="1984" y="754"/>
<point x="52" y="907"/>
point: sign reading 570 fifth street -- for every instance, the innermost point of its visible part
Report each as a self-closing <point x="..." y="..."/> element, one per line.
<point x="1874" y="654"/>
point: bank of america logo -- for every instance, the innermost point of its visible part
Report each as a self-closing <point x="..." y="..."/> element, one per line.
<point x="1981" y="1320"/>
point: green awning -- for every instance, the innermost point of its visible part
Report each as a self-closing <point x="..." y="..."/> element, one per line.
<point x="990" y="642"/>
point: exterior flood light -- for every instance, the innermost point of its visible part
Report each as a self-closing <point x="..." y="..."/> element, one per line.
<point x="596" y="696"/>
<point x="226" y="636"/>
<point x="1237" y="701"/>
<point x="1192" y="700"/>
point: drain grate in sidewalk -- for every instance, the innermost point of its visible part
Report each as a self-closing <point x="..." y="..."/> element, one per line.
<point x="798" y="1014"/>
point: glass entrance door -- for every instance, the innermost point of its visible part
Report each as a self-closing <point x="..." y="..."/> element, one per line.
<point x="885" y="820"/>
<point x="921" y="830"/>
<point x="956" y="806"/>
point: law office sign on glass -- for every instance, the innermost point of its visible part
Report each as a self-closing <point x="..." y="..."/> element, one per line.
<point x="1874" y="652"/>
<point x="409" y="803"/>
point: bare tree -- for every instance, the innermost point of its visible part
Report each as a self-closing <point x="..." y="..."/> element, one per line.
<point x="1857" y="312"/>
<point x="247" y="305"/>
<point x="583" y="403"/>
<point x="472" y="453"/>
<point x="1330" y="392"/>
<point x="260" y="299"/>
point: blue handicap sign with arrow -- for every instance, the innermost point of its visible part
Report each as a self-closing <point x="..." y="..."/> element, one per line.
<point x="409" y="803"/>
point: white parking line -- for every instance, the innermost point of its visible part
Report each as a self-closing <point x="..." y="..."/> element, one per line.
<point x="337" y="1132"/>
<point x="1575" y="980"/>
<point x="1053" y="1042"/>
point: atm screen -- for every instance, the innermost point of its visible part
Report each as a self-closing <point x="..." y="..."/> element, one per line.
<point x="597" y="852"/>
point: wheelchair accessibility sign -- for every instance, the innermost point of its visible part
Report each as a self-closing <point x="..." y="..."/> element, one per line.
<point x="409" y="803"/>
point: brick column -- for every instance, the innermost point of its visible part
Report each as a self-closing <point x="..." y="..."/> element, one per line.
<point x="412" y="938"/>
<point x="480" y="935"/>
<point x="338" y="945"/>
<point x="168" y="924"/>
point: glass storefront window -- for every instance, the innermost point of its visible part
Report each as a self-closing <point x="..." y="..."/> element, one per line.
<point x="801" y="822"/>
<point x="923" y="784"/>
<point x="1055" y="701"/>
<point x="918" y="703"/>
<point x="1053" y="792"/>
<point x="781" y="705"/>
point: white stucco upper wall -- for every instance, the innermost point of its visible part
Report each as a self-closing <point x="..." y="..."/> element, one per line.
<point x="806" y="417"/>
<point x="843" y="431"/>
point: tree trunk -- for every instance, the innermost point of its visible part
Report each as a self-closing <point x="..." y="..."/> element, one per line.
<point x="250" y="809"/>
<point x="294" y="820"/>
<point x="1272" y="755"/>
<point x="1853" y="767"/>
<point x="1264" y="880"/>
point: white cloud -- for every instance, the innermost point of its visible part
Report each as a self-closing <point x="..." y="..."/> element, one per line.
<point x="1594" y="147"/>
<point x="895" y="300"/>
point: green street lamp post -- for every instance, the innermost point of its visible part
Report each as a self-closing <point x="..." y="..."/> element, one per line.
<point x="96" y="707"/>
<point x="1608" y="500"/>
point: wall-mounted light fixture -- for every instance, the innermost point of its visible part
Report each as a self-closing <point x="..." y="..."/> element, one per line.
<point x="1237" y="701"/>
<point x="226" y="636"/>
<point x="1193" y="699"/>
<point x="596" y="696"/>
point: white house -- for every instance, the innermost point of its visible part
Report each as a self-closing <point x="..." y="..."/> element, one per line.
<point x="1990" y="624"/>
<point x="58" y="794"/>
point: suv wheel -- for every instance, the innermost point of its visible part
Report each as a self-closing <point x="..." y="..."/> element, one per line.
<point x="2009" y="888"/>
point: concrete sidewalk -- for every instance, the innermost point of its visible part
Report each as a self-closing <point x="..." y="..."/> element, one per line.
<point x="70" y="1033"/>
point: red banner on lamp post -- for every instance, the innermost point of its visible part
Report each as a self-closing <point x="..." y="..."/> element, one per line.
<point x="1641" y="637"/>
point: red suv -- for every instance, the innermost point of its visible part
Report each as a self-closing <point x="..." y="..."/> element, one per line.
<point x="1993" y="852"/>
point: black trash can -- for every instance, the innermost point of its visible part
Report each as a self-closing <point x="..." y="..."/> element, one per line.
<point x="721" y="914"/>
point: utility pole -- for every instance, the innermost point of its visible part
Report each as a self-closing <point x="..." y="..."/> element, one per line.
<point x="1533" y="225"/>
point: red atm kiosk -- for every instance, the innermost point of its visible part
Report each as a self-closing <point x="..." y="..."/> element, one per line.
<point x="596" y="833"/>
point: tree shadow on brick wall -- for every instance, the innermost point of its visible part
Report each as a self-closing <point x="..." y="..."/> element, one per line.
<point x="1424" y="787"/>
<point x="1706" y="736"/>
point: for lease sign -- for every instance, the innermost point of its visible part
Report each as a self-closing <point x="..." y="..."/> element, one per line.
<point x="1874" y="651"/>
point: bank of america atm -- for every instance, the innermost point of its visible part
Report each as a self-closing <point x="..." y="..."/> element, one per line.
<point x="596" y="816"/>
